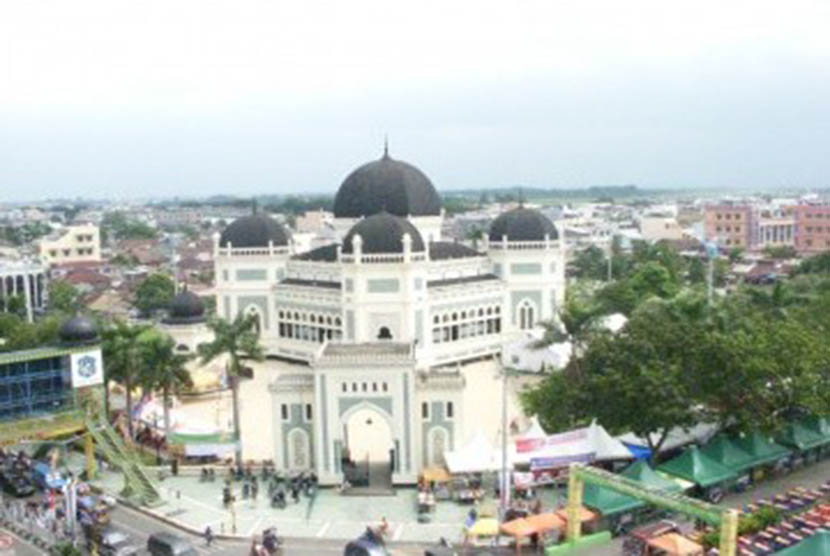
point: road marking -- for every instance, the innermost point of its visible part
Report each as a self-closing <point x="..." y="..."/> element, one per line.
<point x="255" y="527"/>
<point x="398" y="531"/>
<point x="323" y="529"/>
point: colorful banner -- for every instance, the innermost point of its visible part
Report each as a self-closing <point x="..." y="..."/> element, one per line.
<point x="559" y="461"/>
<point x="536" y="444"/>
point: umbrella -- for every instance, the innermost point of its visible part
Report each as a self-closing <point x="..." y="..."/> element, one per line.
<point x="484" y="527"/>
<point x="676" y="545"/>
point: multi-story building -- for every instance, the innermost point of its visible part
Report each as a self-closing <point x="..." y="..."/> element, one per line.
<point x="812" y="227"/>
<point x="382" y="322"/>
<point x="731" y="225"/>
<point x="776" y="227"/>
<point x="72" y="244"/>
<point x="26" y="280"/>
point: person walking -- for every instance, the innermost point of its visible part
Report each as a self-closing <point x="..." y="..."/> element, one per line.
<point x="208" y="535"/>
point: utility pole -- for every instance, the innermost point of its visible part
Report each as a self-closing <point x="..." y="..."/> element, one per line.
<point x="505" y="479"/>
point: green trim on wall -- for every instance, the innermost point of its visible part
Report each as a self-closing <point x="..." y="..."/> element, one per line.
<point x="246" y="274"/>
<point x="260" y="301"/>
<point x="383" y="285"/>
<point x="526" y="268"/>
<point x="516" y="297"/>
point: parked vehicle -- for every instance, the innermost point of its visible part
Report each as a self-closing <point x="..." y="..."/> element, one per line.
<point x="16" y="484"/>
<point x="367" y="544"/>
<point x="168" y="544"/>
<point x="113" y="542"/>
<point x="47" y="477"/>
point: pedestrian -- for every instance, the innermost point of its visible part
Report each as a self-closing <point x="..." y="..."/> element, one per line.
<point x="208" y="535"/>
<point x="295" y="493"/>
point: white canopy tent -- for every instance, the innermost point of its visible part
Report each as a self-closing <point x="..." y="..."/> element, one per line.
<point x="592" y="443"/>
<point x="476" y="456"/>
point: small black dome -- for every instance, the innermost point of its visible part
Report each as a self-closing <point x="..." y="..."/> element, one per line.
<point x="187" y="307"/>
<point x="383" y="233"/>
<point x="255" y="230"/>
<point x="78" y="330"/>
<point x="386" y="184"/>
<point x="522" y="224"/>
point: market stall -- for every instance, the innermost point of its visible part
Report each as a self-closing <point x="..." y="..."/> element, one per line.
<point x="711" y="477"/>
<point x="642" y="472"/>
<point x="816" y="545"/>
<point x="724" y="451"/>
<point x="534" y="525"/>
<point x="767" y="455"/>
<point x="587" y="518"/>
<point x="674" y="544"/>
<point x="616" y="511"/>
<point x="805" y="442"/>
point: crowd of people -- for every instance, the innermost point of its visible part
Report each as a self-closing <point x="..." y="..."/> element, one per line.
<point x="280" y="487"/>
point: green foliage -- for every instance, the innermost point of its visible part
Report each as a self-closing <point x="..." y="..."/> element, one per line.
<point x="64" y="297"/>
<point x="154" y="293"/>
<point x="456" y="205"/>
<point x="124" y="259"/>
<point x="118" y="225"/>
<point x="122" y="351"/>
<point x="817" y="264"/>
<point x="749" y="524"/>
<point x="14" y="305"/>
<point x="780" y="252"/>
<point x="22" y="235"/>
<point x="16" y="333"/>
<point x="591" y="264"/>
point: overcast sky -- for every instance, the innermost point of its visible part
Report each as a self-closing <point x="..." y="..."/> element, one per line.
<point x="156" y="98"/>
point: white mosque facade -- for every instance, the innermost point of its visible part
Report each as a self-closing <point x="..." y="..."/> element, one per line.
<point x="376" y="328"/>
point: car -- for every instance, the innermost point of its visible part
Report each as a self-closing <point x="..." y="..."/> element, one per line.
<point x="16" y="484"/>
<point x="116" y="543"/>
<point x="367" y="544"/>
<point x="168" y="544"/>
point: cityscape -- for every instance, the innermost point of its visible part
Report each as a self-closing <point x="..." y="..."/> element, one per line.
<point x="487" y="334"/>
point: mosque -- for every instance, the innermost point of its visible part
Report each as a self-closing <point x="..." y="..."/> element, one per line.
<point x="368" y="338"/>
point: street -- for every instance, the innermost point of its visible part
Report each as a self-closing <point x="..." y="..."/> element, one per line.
<point x="140" y="526"/>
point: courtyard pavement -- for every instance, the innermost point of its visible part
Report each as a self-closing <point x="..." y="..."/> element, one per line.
<point x="195" y="505"/>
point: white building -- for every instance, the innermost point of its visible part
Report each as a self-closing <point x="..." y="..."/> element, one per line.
<point x="380" y="322"/>
<point x="25" y="280"/>
<point x="72" y="244"/>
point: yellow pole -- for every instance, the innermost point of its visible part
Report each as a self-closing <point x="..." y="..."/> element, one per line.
<point x="91" y="464"/>
<point x="575" y="485"/>
<point x="729" y="533"/>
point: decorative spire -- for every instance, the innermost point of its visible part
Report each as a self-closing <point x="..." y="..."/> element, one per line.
<point x="385" y="146"/>
<point x="521" y="198"/>
<point x="254" y="206"/>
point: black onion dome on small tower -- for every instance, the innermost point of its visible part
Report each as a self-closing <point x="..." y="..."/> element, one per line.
<point x="386" y="184"/>
<point x="256" y="230"/>
<point x="78" y="330"/>
<point x="522" y="224"/>
<point x="186" y="308"/>
<point x="383" y="233"/>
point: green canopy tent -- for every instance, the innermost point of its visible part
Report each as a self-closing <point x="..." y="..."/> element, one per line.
<point x="761" y="448"/>
<point x="692" y="465"/>
<point x="820" y="425"/>
<point x="607" y="502"/>
<point x="727" y="453"/>
<point x="640" y="471"/>
<point x="815" y="545"/>
<point x="796" y="435"/>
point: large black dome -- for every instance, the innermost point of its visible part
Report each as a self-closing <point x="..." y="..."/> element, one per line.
<point x="522" y="224"/>
<point x="255" y="230"/>
<point x="383" y="233"/>
<point x="386" y="184"/>
<point x="186" y="307"/>
<point x="78" y="330"/>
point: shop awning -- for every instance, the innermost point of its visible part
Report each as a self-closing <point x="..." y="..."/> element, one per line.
<point x="675" y="544"/>
<point x="761" y="448"/>
<point x="727" y="453"/>
<point x="607" y="502"/>
<point x="796" y="435"/>
<point x="694" y="466"/>
<point x="476" y="456"/>
<point x="817" y="545"/>
<point x="641" y="472"/>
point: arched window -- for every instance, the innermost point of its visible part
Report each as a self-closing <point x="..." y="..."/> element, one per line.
<point x="438" y="445"/>
<point x="384" y="333"/>
<point x="298" y="447"/>
<point x="526" y="315"/>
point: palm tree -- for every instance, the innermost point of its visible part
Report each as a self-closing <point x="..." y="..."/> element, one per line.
<point x="573" y="324"/>
<point x="236" y="339"/>
<point x="166" y="371"/>
<point x="122" y="358"/>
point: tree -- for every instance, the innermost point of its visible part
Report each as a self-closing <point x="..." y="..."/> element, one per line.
<point x="817" y="264"/>
<point x="15" y="305"/>
<point x="122" y="354"/>
<point x="154" y="293"/>
<point x="236" y="339"/>
<point x="574" y="324"/>
<point x="166" y="369"/>
<point x="780" y="252"/>
<point x="64" y="297"/>
<point x="590" y="263"/>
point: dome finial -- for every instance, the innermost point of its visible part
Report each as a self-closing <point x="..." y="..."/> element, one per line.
<point x="385" y="145"/>
<point x="254" y="206"/>
<point x="521" y="198"/>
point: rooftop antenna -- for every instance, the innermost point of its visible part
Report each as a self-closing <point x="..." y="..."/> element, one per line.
<point x="385" y="145"/>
